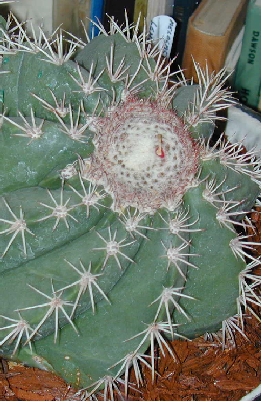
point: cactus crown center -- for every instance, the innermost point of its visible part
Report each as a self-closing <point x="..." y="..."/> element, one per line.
<point x="144" y="156"/>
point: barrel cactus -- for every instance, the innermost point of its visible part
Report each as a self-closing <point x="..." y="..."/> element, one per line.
<point x="122" y="222"/>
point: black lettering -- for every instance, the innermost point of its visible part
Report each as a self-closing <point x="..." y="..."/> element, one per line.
<point x="243" y="99"/>
<point x="244" y="93"/>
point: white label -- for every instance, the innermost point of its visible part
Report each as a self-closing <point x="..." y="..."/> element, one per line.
<point x="162" y="29"/>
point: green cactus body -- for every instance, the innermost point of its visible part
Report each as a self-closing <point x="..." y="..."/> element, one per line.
<point x="118" y="218"/>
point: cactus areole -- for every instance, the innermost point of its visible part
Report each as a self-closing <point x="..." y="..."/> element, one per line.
<point x="144" y="156"/>
<point x="122" y="223"/>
